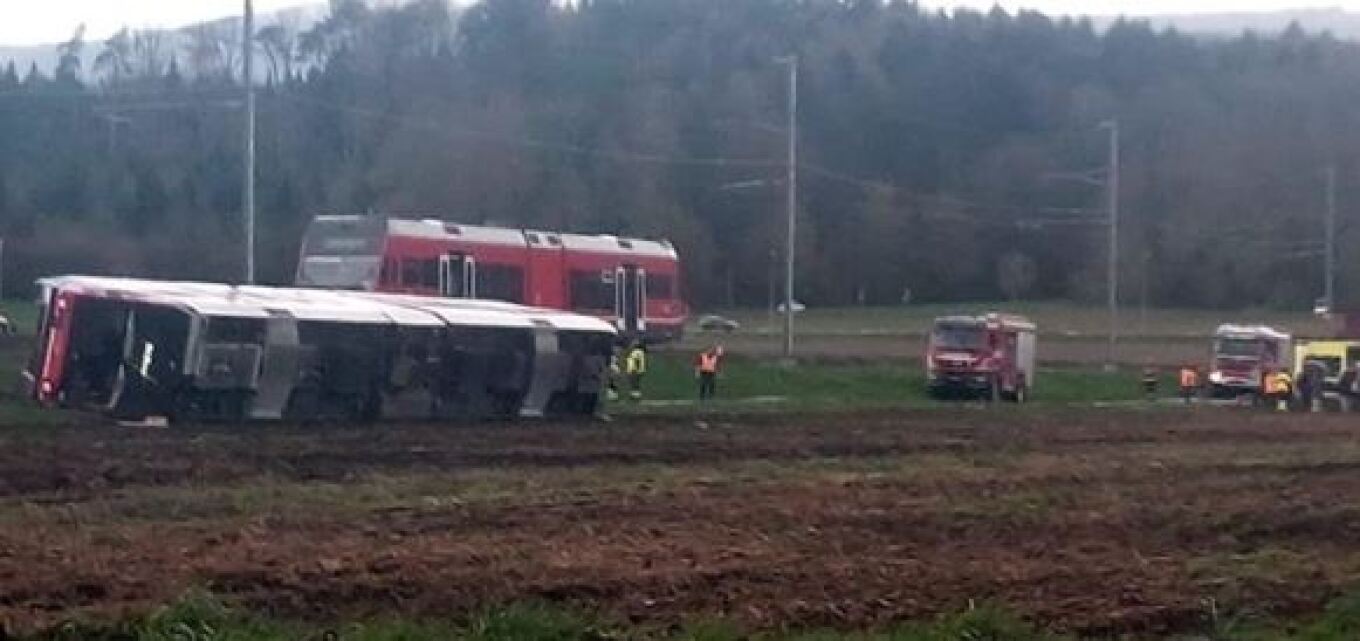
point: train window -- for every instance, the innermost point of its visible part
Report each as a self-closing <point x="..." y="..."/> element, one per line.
<point x="533" y="238"/>
<point x="420" y="272"/>
<point x="226" y="329"/>
<point x="660" y="286"/>
<point x="589" y="290"/>
<point x="555" y="241"/>
<point x="500" y="282"/>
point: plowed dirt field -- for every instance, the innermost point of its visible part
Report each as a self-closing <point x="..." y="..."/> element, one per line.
<point x="1082" y="520"/>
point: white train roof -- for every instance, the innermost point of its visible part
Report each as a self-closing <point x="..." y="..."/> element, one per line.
<point x="1228" y="330"/>
<point x="218" y="300"/>
<point x="434" y="228"/>
<point x="616" y="245"/>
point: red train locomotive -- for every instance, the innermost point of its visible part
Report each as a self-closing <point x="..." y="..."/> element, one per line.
<point x="632" y="283"/>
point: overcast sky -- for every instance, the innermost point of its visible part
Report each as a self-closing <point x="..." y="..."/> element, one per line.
<point x="1145" y="7"/>
<point x="46" y="21"/>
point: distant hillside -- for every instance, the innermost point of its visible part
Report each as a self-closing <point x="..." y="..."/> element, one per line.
<point x="45" y="56"/>
<point x="1341" y="23"/>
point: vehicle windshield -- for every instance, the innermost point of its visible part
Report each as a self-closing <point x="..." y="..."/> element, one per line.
<point x="959" y="337"/>
<point x="339" y="272"/>
<point x="341" y="253"/>
<point x="1330" y="365"/>
<point x="1238" y="347"/>
<point x="357" y="236"/>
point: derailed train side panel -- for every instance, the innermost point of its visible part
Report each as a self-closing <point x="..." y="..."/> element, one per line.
<point x="202" y="352"/>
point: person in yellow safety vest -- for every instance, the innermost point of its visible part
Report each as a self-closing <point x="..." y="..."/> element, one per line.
<point x="706" y="368"/>
<point x="1279" y="386"/>
<point x="635" y="367"/>
<point x="1189" y="383"/>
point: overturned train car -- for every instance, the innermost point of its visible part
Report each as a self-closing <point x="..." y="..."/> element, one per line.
<point x="200" y="352"/>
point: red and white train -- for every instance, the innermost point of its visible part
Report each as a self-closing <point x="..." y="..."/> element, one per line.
<point x="632" y="283"/>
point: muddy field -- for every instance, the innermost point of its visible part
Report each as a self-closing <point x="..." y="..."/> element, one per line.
<point x="1083" y="520"/>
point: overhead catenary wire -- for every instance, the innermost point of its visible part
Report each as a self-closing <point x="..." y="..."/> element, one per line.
<point x="546" y="145"/>
<point x="1040" y="216"/>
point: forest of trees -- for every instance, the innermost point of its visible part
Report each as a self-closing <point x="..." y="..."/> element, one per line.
<point x="931" y="155"/>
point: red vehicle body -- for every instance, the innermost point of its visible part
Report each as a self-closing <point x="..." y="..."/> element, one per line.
<point x="632" y="283"/>
<point x="991" y="356"/>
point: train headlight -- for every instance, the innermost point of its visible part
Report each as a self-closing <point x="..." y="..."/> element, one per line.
<point x="1216" y="377"/>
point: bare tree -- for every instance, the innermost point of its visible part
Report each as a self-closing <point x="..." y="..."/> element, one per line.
<point x="114" y="63"/>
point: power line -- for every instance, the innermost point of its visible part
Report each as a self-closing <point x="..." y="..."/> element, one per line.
<point x="1042" y="216"/>
<point x="533" y="143"/>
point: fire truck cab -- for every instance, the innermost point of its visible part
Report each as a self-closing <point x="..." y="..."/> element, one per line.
<point x="990" y="356"/>
<point x="1243" y="354"/>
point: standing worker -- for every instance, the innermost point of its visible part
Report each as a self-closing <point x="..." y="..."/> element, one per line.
<point x="1309" y="384"/>
<point x="1149" y="383"/>
<point x="1189" y="380"/>
<point x="1279" y="386"/>
<point x="635" y="367"/>
<point x="706" y="367"/>
<point x="612" y="391"/>
<point x="1348" y="388"/>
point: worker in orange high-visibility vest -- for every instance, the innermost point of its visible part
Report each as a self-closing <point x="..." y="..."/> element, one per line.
<point x="706" y="368"/>
<point x="1189" y="383"/>
<point x="1279" y="387"/>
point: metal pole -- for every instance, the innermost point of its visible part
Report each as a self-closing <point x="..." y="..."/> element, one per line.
<point x="1329" y="285"/>
<point x="1112" y="284"/>
<point x="248" y="188"/>
<point x="791" y="232"/>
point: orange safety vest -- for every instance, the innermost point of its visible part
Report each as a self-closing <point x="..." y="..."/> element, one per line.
<point x="1189" y="378"/>
<point x="1279" y="383"/>
<point x="708" y="363"/>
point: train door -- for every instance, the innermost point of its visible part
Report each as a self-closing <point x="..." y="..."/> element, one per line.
<point x="457" y="276"/>
<point x="630" y="299"/>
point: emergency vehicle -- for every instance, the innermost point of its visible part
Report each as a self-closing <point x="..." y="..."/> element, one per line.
<point x="1242" y="354"/>
<point x="990" y="356"/>
<point x="140" y="349"/>
<point x="632" y="283"/>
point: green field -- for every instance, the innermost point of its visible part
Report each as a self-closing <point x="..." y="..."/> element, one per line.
<point x="748" y="383"/>
<point x="199" y="617"/>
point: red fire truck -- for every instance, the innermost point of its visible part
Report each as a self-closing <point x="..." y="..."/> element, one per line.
<point x="632" y="283"/>
<point x="1243" y="354"/>
<point x="990" y="356"/>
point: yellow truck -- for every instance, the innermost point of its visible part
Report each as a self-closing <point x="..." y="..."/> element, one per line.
<point x="1334" y="357"/>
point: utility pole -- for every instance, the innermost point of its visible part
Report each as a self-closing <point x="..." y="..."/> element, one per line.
<point x="248" y="188"/>
<point x="1112" y="277"/>
<point x="792" y="184"/>
<point x="1329" y="260"/>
